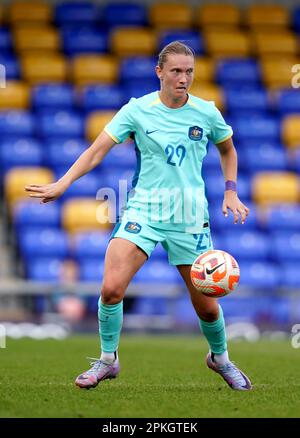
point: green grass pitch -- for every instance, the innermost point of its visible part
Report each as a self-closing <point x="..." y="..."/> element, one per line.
<point x="161" y="376"/>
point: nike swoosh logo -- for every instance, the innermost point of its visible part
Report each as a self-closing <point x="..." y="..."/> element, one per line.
<point x="151" y="132"/>
<point x="211" y="271"/>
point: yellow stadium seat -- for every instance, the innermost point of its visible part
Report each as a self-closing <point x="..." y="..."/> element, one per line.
<point x="277" y="70"/>
<point x="218" y="14"/>
<point x="85" y="214"/>
<point x="171" y="16"/>
<point x="17" y="178"/>
<point x="1" y="14"/>
<point x="291" y="131"/>
<point x="15" y="95"/>
<point x="274" y="43"/>
<point x="133" y="41"/>
<point x="210" y="92"/>
<point x="275" y="188"/>
<point x="224" y="44"/>
<point x="31" y="12"/>
<point x="93" y="69"/>
<point x="204" y="70"/>
<point x="96" y="122"/>
<point x="267" y="16"/>
<point x="44" y="68"/>
<point x="27" y="37"/>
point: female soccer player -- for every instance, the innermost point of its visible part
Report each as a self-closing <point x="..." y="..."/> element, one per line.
<point x="167" y="204"/>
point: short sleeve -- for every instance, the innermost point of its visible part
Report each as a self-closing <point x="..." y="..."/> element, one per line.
<point x="220" y="131"/>
<point x="121" y="125"/>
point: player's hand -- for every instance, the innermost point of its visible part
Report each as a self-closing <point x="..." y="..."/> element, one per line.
<point x="46" y="192"/>
<point x="232" y="202"/>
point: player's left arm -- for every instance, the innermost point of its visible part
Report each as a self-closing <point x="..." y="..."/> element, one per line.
<point x="231" y="200"/>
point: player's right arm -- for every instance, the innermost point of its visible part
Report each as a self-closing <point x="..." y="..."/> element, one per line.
<point x="86" y="162"/>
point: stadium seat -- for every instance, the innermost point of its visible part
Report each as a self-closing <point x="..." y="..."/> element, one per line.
<point x="238" y="72"/>
<point x="214" y="182"/>
<point x="139" y="87"/>
<point x="44" y="269"/>
<point x="275" y="187"/>
<point x="170" y="16"/>
<point x="220" y="223"/>
<point x="121" y="156"/>
<point x="47" y="242"/>
<point x="295" y="18"/>
<point x="62" y="152"/>
<point x="111" y="177"/>
<point x="190" y="37"/>
<point x="291" y="130"/>
<point x="266" y="16"/>
<point x="91" y="270"/>
<point x="81" y="12"/>
<point x="261" y="275"/>
<point x="255" y="127"/>
<point x="33" y="13"/>
<point x="101" y="97"/>
<point x="265" y="157"/>
<point x="93" y="69"/>
<point x="39" y="38"/>
<point x="246" y="98"/>
<point x="31" y="214"/>
<point x="218" y="15"/>
<point x="286" y="246"/>
<point x="84" y="214"/>
<point x="227" y="43"/>
<point x="210" y="92"/>
<point x="17" y="124"/>
<point x="282" y="217"/>
<point x="137" y="68"/>
<point x="133" y="41"/>
<point x="43" y="68"/>
<point x="282" y="43"/>
<point x="277" y="70"/>
<point x="150" y="306"/>
<point x="1" y="14"/>
<point x="20" y="152"/>
<point x="287" y="101"/>
<point x="11" y="65"/>
<point x="83" y="39"/>
<point x="125" y="14"/>
<point x="156" y="271"/>
<point x="289" y="274"/>
<point x="67" y="124"/>
<point x="53" y="96"/>
<point x="294" y="159"/>
<point x="246" y="245"/>
<point x="15" y="95"/>
<point x="84" y="187"/>
<point x="204" y="70"/>
<point x="96" y="122"/>
<point x="89" y="245"/>
<point x="5" y="40"/>
<point x="17" y="178"/>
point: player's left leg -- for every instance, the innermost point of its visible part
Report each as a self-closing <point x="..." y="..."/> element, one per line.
<point x="213" y="327"/>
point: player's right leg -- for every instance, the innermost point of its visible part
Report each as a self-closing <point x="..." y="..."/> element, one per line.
<point x="123" y="259"/>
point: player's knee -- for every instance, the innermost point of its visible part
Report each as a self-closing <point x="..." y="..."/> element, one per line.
<point x="209" y="315"/>
<point x="111" y="293"/>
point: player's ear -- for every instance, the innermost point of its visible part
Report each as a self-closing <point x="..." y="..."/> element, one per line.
<point x="158" y="72"/>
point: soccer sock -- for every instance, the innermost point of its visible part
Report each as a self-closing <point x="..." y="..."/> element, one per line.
<point x="110" y="318"/>
<point x="215" y="335"/>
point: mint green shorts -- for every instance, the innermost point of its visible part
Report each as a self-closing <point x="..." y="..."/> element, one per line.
<point x="182" y="248"/>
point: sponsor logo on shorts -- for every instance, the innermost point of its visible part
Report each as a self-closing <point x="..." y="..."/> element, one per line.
<point x="195" y="133"/>
<point x="133" y="227"/>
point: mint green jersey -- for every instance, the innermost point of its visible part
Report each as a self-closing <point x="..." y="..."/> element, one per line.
<point x="167" y="189"/>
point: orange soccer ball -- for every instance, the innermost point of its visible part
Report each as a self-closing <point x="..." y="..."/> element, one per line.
<point x="215" y="273"/>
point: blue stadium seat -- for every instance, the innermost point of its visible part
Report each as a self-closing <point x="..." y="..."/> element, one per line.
<point x="33" y="214"/>
<point x="265" y="157"/>
<point x="91" y="269"/>
<point x="220" y="223"/>
<point x="184" y="313"/>
<point x="283" y="217"/>
<point x="84" y="39"/>
<point x="259" y="274"/>
<point x="90" y="245"/>
<point x="120" y="156"/>
<point x="255" y="127"/>
<point x="288" y="101"/>
<point x="157" y="272"/>
<point x="20" y="152"/>
<point x="11" y="64"/>
<point x="5" y="40"/>
<point x="137" y="88"/>
<point x="286" y="246"/>
<point x="151" y="306"/>
<point x="137" y="68"/>
<point x="56" y="96"/>
<point x="190" y="37"/>
<point x="112" y="176"/>
<point x="159" y="253"/>
<point x="129" y="14"/>
<point x="289" y="276"/>
<point x="247" y="245"/>
<point x="86" y="186"/>
<point x="238" y="72"/>
<point x="211" y="161"/>
<point x="214" y="182"/>
<point x="294" y="160"/>
<point x="101" y="97"/>
<point x="62" y="153"/>
<point x="47" y="242"/>
<point x="68" y="124"/>
<point x="296" y="18"/>
<point x="76" y="13"/>
<point x="44" y="269"/>
<point x="16" y="124"/>
<point x="246" y="98"/>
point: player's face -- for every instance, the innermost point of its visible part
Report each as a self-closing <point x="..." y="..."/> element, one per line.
<point x="176" y="76"/>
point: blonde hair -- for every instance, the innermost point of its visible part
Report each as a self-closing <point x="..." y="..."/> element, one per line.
<point x="174" y="48"/>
